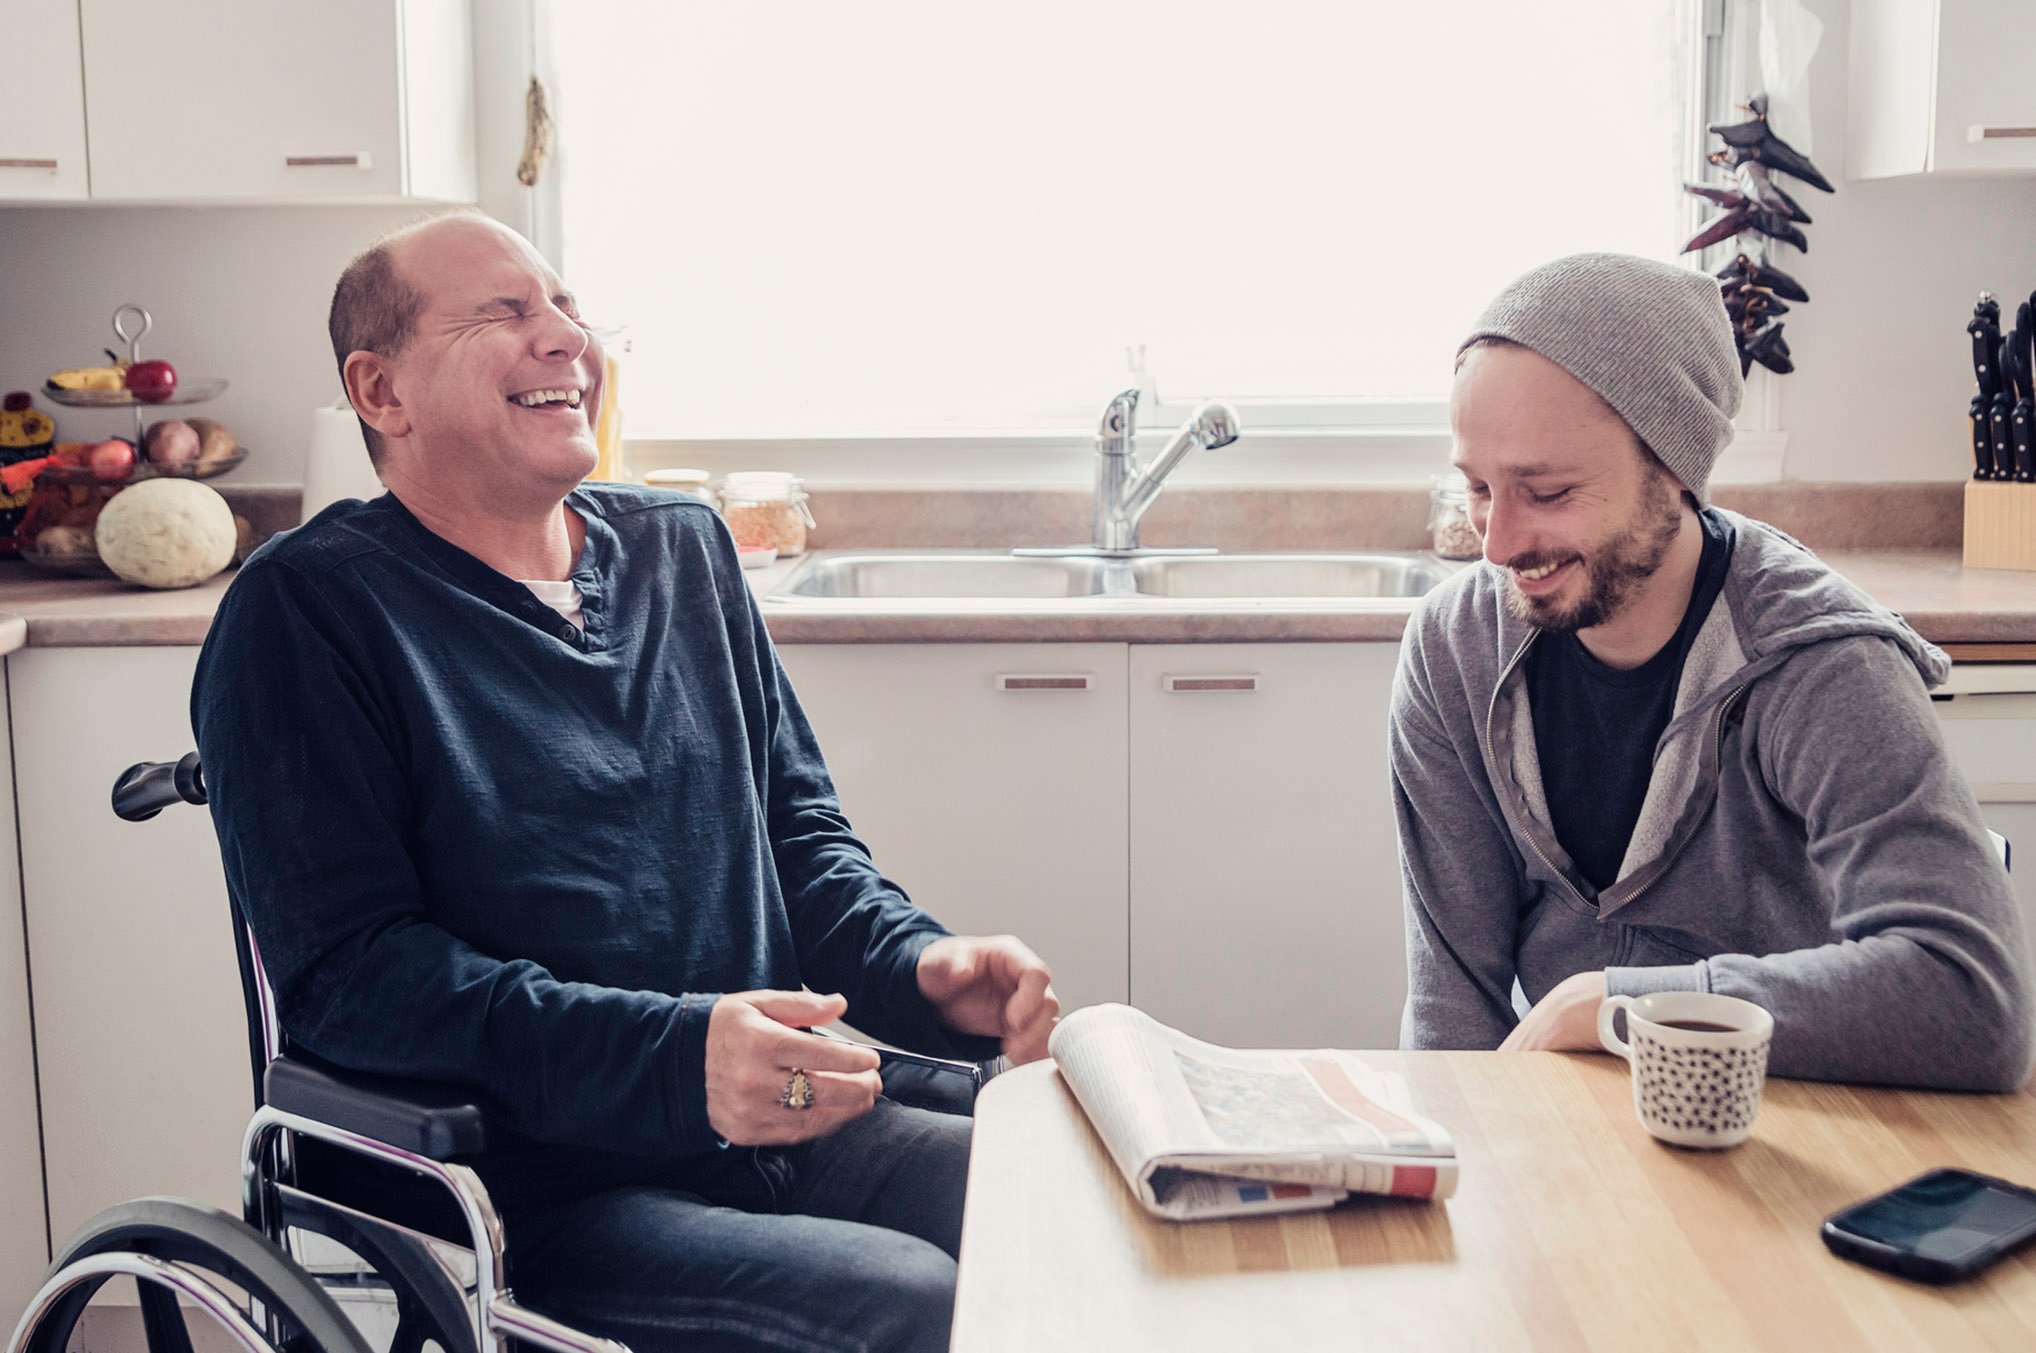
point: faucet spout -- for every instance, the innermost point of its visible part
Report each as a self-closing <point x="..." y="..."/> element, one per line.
<point x="1117" y="433"/>
<point x="1123" y="489"/>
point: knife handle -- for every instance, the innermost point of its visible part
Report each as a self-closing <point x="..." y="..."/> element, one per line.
<point x="1982" y="439"/>
<point x="2025" y="441"/>
<point x="1984" y="350"/>
<point x="1998" y="413"/>
<point x="1986" y="357"/>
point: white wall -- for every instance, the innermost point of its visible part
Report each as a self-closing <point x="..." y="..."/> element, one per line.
<point x="239" y="292"/>
<point x="1883" y="365"/>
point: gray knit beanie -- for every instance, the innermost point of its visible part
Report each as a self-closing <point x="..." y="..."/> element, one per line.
<point x="1652" y="339"/>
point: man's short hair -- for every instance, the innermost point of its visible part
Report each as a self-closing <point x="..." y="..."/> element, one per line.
<point x="374" y="309"/>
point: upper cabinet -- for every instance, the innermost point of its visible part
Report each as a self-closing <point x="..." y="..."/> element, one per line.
<point x="249" y="100"/>
<point x="1941" y="87"/>
<point x="42" y="105"/>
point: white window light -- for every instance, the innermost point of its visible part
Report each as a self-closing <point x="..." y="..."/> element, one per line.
<point x="910" y="222"/>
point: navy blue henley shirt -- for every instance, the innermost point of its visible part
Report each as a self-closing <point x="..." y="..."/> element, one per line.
<point x="477" y="845"/>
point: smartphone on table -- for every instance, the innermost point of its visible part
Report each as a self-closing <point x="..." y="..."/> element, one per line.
<point x="1940" y="1227"/>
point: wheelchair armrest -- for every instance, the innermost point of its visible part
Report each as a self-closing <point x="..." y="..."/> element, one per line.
<point x="434" y="1121"/>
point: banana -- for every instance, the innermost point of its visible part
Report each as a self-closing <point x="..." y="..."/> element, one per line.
<point x="89" y="378"/>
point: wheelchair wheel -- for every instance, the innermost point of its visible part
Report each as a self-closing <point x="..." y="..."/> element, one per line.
<point x="173" y="1248"/>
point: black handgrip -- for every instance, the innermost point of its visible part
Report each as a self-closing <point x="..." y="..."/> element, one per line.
<point x="143" y="791"/>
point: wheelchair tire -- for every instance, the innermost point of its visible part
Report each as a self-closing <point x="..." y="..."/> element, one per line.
<point x="429" y="1307"/>
<point x="215" y="1245"/>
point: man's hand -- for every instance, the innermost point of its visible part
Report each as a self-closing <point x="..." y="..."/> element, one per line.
<point x="994" y="986"/>
<point x="755" y="1041"/>
<point x="1565" y="1020"/>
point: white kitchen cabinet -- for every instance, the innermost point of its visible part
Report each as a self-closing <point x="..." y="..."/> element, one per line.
<point x="1941" y="87"/>
<point x="318" y="100"/>
<point x="1265" y="895"/>
<point x="42" y="105"/>
<point x="24" y="1243"/>
<point x="141" y="1042"/>
<point x="989" y="781"/>
<point x="1989" y="723"/>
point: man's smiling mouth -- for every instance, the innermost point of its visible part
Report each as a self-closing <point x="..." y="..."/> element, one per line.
<point x="537" y="399"/>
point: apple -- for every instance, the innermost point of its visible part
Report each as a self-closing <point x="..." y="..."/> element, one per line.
<point x="112" y="460"/>
<point x="151" y="382"/>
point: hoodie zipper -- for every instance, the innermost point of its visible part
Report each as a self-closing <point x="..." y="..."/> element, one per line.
<point x="1491" y="756"/>
<point x="1718" y="734"/>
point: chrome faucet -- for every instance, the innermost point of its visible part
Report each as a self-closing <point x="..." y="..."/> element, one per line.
<point x="1124" y="489"/>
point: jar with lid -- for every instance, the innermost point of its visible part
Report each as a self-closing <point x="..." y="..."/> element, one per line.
<point x="1449" y="524"/>
<point x="692" y="483"/>
<point x="767" y="508"/>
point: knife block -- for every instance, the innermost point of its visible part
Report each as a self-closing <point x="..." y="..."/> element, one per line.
<point x="2000" y="524"/>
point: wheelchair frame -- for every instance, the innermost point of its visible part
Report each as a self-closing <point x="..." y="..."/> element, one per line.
<point x="175" y="1249"/>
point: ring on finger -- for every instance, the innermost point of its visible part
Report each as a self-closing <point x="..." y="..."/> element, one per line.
<point x="798" y="1092"/>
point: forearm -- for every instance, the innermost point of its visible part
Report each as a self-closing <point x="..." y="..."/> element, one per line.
<point x="1925" y="978"/>
<point x="560" y="1061"/>
<point x="858" y="935"/>
<point x="1893" y="1008"/>
<point x="856" y="931"/>
<point x="1459" y="888"/>
<point x="1449" y="1006"/>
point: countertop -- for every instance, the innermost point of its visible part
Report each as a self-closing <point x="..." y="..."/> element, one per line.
<point x="1946" y="602"/>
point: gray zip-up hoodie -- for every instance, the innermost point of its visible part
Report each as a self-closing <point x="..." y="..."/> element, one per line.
<point x="1805" y="842"/>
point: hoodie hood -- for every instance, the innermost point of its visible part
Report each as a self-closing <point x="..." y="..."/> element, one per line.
<point x="1778" y="598"/>
<point x="1783" y="597"/>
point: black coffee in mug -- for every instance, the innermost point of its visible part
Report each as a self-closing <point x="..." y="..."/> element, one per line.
<point x="1697" y="1026"/>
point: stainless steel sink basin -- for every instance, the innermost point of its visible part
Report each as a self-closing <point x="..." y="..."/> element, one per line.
<point x="972" y="576"/>
<point x="901" y="577"/>
<point x="1287" y="575"/>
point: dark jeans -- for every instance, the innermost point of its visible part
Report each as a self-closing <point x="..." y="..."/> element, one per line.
<point x="840" y="1245"/>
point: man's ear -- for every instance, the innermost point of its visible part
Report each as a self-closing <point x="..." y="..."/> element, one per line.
<point x="370" y="384"/>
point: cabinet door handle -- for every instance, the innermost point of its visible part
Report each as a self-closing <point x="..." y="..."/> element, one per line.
<point x="1192" y="685"/>
<point x="50" y="165"/>
<point x="1032" y="681"/>
<point x="360" y="159"/>
<point x="1998" y="133"/>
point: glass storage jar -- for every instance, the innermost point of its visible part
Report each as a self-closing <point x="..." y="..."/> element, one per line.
<point x="692" y="483"/>
<point x="767" y="508"/>
<point x="1449" y="526"/>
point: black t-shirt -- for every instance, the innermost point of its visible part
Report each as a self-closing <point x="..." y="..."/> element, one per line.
<point x="1595" y="727"/>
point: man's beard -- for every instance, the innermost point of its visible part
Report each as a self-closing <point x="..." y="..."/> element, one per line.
<point x="1613" y="571"/>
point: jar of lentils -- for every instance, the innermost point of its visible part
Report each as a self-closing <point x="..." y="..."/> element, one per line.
<point x="767" y="508"/>
<point x="1449" y="525"/>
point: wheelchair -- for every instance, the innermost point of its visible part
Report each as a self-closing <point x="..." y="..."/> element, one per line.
<point x="369" y="1163"/>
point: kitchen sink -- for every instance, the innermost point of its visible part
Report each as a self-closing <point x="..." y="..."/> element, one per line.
<point x="974" y="576"/>
<point x="902" y="577"/>
<point x="1287" y="575"/>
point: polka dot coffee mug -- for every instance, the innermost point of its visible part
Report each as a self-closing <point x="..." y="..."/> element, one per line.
<point x="1699" y="1062"/>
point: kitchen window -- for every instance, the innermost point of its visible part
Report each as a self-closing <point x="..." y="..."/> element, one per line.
<point x="954" y="224"/>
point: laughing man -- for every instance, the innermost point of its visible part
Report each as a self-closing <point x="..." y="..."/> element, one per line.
<point x="1652" y="745"/>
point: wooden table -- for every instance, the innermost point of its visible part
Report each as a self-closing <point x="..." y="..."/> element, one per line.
<point x="1572" y="1229"/>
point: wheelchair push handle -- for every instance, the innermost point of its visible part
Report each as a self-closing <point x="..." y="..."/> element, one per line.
<point x="144" y="790"/>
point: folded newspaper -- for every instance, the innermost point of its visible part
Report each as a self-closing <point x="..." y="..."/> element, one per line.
<point x="1201" y="1131"/>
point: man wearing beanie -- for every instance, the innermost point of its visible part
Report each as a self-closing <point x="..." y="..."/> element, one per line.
<point x="1652" y="745"/>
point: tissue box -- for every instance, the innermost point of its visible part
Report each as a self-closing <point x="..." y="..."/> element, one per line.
<point x="2000" y="524"/>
